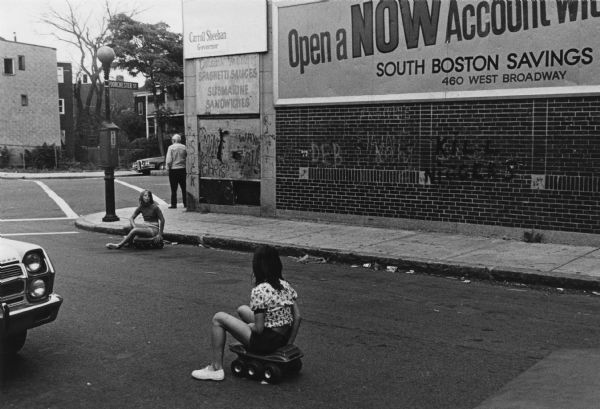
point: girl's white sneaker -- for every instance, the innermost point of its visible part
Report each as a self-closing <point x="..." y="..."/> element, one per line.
<point x="209" y="374"/>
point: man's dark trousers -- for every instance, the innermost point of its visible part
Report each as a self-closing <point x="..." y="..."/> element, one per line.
<point x="177" y="178"/>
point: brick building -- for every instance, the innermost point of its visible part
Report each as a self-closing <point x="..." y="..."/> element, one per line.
<point x="458" y="116"/>
<point x="28" y="84"/>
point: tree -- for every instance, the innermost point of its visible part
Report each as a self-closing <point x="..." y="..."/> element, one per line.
<point x="152" y="51"/>
<point x="86" y="33"/>
<point x="131" y="124"/>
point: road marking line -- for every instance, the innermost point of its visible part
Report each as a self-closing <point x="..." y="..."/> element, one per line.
<point x="36" y="219"/>
<point x="157" y="199"/>
<point x="38" y="234"/>
<point x="59" y="201"/>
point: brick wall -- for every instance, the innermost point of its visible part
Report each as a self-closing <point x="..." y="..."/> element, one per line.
<point x="38" y="121"/>
<point x="526" y="163"/>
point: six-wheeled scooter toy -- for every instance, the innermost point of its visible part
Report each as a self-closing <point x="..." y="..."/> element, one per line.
<point x="271" y="367"/>
<point x="147" y="243"/>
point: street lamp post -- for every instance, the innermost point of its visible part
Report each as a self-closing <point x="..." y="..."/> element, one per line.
<point x="108" y="138"/>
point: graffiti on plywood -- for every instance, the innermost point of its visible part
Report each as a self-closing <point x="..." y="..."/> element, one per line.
<point x="230" y="149"/>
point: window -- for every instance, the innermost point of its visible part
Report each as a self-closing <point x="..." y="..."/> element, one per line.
<point x="61" y="75"/>
<point x="61" y="106"/>
<point x="9" y="66"/>
<point x="24" y="100"/>
<point x="21" y="63"/>
<point x="140" y="108"/>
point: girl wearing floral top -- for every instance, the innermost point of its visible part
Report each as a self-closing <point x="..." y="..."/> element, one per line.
<point x="271" y="321"/>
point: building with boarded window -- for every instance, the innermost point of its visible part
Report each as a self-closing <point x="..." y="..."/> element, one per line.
<point x="461" y="116"/>
<point x="29" y="111"/>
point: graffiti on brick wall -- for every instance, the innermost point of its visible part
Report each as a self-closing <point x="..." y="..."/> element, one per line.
<point x="326" y="154"/>
<point x="381" y="149"/>
<point x="229" y="153"/>
<point x="388" y="149"/>
<point x="456" y="159"/>
<point x="453" y="158"/>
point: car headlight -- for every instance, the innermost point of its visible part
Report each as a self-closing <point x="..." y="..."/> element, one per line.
<point x="37" y="289"/>
<point x="34" y="262"/>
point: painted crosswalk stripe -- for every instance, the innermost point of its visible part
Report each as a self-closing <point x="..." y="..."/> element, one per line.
<point x="59" y="201"/>
<point x="36" y="219"/>
<point x="157" y="199"/>
<point x="38" y="234"/>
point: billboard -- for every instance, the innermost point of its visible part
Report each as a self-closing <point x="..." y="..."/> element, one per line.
<point x="344" y="51"/>
<point x="223" y="27"/>
<point x="228" y="85"/>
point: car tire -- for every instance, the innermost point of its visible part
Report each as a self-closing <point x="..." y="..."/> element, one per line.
<point x="146" y="172"/>
<point x="13" y="344"/>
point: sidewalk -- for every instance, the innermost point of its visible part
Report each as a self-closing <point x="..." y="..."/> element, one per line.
<point x="555" y="265"/>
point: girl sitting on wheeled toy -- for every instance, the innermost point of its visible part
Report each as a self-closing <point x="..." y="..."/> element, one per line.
<point x="152" y="227"/>
<point x="270" y="322"/>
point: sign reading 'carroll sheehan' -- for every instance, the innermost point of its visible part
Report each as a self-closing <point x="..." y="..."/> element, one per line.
<point x="223" y="27"/>
<point x="363" y="51"/>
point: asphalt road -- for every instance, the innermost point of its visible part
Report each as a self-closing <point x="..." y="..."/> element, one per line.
<point x="134" y="324"/>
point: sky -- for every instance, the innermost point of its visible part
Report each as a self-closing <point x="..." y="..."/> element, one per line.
<point x="23" y="19"/>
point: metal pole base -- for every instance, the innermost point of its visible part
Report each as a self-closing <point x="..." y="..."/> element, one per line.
<point x="109" y="191"/>
<point x="110" y="218"/>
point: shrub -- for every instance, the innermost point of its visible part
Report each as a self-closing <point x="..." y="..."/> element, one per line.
<point x="4" y="157"/>
<point x="131" y="124"/>
<point x="145" y="148"/>
<point x="42" y="157"/>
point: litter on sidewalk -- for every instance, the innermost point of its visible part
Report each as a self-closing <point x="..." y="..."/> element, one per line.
<point x="305" y="259"/>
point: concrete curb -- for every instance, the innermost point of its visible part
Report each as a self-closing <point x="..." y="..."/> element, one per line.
<point x="419" y="266"/>
<point x="500" y="274"/>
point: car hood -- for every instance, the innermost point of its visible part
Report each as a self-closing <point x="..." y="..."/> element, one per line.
<point x="13" y="250"/>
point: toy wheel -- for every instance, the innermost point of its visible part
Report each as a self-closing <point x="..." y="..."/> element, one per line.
<point x="273" y="373"/>
<point x="295" y="366"/>
<point x="238" y="368"/>
<point x="254" y="370"/>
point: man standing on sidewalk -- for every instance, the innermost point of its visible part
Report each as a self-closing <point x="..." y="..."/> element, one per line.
<point x="175" y="162"/>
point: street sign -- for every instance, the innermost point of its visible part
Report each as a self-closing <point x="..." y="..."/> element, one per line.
<point x="123" y="84"/>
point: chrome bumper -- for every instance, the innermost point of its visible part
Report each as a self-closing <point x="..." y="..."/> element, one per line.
<point x="19" y="318"/>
